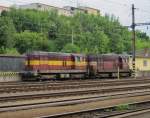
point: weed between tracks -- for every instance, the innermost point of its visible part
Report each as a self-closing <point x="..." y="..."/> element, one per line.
<point x="121" y="107"/>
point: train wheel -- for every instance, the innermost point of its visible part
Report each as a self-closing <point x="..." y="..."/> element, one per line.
<point x="110" y="75"/>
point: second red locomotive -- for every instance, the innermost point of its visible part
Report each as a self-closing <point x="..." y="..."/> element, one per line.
<point x="108" y="65"/>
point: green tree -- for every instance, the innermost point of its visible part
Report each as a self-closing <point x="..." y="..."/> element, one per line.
<point x="71" y="48"/>
<point x="32" y="41"/>
<point x="11" y="51"/>
<point x="48" y="31"/>
<point x="7" y="32"/>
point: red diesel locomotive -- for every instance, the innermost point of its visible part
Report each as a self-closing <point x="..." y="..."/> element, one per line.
<point x="55" y="65"/>
<point x="109" y="65"/>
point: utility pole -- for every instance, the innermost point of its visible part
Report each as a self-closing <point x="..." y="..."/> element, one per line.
<point x="77" y="3"/>
<point x="72" y="37"/>
<point x="133" y="40"/>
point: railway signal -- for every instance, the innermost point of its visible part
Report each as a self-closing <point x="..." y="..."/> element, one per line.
<point x="134" y="38"/>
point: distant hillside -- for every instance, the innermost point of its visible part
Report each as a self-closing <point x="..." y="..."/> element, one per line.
<point x="27" y="30"/>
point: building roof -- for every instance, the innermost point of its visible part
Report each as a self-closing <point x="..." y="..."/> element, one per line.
<point x="84" y="7"/>
<point x="73" y="8"/>
<point x="43" y="5"/>
<point x="145" y="53"/>
<point x="38" y="4"/>
<point x="4" y="6"/>
<point x="81" y="7"/>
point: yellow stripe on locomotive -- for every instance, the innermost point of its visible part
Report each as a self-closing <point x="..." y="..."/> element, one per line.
<point x="49" y="62"/>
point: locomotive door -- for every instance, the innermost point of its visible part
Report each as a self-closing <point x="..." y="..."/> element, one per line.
<point x="27" y="64"/>
<point x="120" y="63"/>
<point x="73" y="62"/>
<point x="37" y="68"/>
<point x="77" y="62"/>
<point x="99" y="64"/>
<point x="43" y="62"/>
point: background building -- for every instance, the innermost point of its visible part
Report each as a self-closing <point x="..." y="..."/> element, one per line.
<point x="45" y="7"/>
<point x="90" y="10"/>
<point x="82" y="9"/>
<point x="67" y="10"/>
<point x="3" y="8"/>
<point x="142" y="62"/>
<point x="37" y="6"/>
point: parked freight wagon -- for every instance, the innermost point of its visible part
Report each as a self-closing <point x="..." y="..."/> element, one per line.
<point x="11" y="63"/>
<point x="10" y="67"/>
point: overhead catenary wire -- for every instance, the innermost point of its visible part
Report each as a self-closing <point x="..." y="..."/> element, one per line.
<point x="126" y="5"/>
<point x="138" y="9"/>
<point x="117" y="3"/>
<point x="142" y="10"/>
<point x="16" y="2"/>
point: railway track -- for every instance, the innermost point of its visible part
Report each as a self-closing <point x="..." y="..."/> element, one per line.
<point x="106" y="112"/>
<point x="28" y="87"/>
<point x="72" y="102"/>
<point x="71" y="81"/>
<point x="76" y="92"/>
<point x="141" y="113"/>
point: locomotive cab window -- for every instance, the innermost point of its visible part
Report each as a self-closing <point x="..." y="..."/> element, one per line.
<point x="77" y="59"/>
<point x="120" y="63"/>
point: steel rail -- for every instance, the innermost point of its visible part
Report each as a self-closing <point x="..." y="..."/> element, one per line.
<point x="21" y="88"/>
<point x="76" y="92"/>
<point x="68" y="102"/>
<point x="145" y="104"/>
<point x="72" y="81"/>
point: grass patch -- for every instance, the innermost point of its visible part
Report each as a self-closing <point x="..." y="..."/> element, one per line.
<point x="122" y="107"/>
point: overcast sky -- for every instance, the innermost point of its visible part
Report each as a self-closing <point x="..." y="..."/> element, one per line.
<point x="120" y="8"/>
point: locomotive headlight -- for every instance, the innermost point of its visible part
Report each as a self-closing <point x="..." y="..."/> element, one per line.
<point x="35" y="73"/>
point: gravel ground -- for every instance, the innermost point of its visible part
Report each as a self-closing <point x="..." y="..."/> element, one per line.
<point x="139" y="114"/>
<point x="143" y="115"/>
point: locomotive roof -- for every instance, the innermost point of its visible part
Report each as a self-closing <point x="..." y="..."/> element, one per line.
<point x="111" y="55"/>
<point x="54" y="53"/>
<point x="46" y="53"/>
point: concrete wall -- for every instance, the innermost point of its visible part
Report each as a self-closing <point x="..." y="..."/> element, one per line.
<point x="143" y="74"/>
<point x="9" y="77"/>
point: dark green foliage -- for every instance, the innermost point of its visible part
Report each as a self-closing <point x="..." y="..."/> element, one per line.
<point x="7" y="32"/>
<point x="71" y="48"/>
<point x="122" y="107"/>
<point x="28" y="30"/>
<point x="30" y="41"/>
